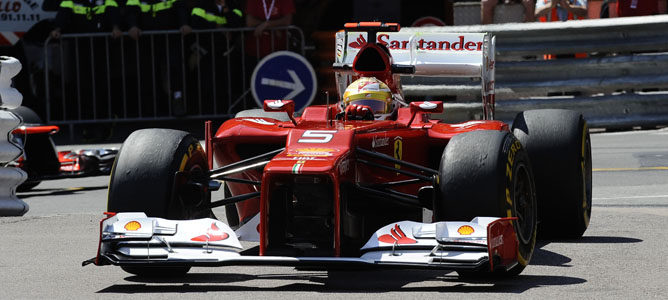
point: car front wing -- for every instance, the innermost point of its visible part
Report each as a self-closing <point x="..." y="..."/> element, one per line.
<point x="133" y="239"/>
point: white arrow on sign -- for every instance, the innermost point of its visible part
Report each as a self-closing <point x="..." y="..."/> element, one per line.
<point x="296" y="85"/>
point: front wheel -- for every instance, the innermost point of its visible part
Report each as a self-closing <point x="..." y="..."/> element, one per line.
<point x="143" y="179"/>
<point x="487" y="174"/>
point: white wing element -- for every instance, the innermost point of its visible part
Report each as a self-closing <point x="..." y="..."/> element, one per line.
<point x="249" y="231"/>
<point x="132" y="238"/>
<point x="432" y="53"/>
<point x="137" y="236"/>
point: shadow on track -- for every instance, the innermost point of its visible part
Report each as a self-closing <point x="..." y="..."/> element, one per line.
<point x="339" y="282"/>
<point x="58" y="192"/>
<point x="544" y="257"/>
<point x="601" y="240"/>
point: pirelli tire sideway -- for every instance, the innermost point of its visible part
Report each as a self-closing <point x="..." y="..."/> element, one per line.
<point x="143" y="180"/>
<point x="559" y="148"/>
<point x="487" y="173"/>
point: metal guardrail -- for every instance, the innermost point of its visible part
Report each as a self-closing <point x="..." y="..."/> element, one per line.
<point x="10" y="177"/>
<point x="91" y="78"/>
<point x="625" y="57"/>
<point x="623" y="110"/>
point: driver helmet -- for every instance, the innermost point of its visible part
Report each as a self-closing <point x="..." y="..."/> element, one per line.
<point x="371" y="92"/>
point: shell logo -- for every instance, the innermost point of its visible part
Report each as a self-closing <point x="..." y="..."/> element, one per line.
<point x="132" y="226"/>
<point x="465" y="230"/>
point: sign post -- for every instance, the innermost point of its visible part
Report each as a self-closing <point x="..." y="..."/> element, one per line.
<point x="284" y="75"/>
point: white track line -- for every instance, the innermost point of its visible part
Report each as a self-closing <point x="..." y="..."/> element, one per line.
<point x="631" y="197"/>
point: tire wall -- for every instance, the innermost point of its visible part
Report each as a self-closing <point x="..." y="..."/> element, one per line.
<point x="10" y="177"/>
<point x="479" y="173"/>
<point x="557" y="143"/>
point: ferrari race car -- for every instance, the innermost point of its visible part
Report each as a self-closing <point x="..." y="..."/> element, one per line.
<point x="41" y="161"/>
<point x="329" y="189"/>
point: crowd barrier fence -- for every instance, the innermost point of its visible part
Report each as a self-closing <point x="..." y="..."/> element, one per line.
<point x="164" y="75"/>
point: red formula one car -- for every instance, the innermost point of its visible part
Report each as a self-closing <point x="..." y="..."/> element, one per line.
<point x="347" y="184"/>
<point x="41" y="161"/>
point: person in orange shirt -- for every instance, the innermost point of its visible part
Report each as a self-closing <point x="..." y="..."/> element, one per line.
<point x="560" y="10"/>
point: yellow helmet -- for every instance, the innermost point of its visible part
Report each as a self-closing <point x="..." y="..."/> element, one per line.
<point x="371" y="92"/>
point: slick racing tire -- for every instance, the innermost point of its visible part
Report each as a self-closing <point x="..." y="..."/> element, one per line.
<point x="487" y="173"/>
<point x="559" y="148"/>
<point x="143" y="180"/>
<point x="28" y="116"/>
<point x="41" y="157"/>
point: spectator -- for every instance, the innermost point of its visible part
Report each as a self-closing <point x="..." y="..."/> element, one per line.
<point x="630" y="8"/>
<point x="212" y="58"/>
<point x="156" y="15"/>
<point x="263" y="15"/>
<point x="561" y="10"/>
<point x="210" y="14"/>
<point x="487" y="9"/>
<point x="83" y="16"/>
<point x="160" y="15"/>
<point x="84" y="88"/>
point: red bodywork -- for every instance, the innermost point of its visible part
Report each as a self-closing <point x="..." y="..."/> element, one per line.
<point x="317" y="144"/>
<point x="331" y="158"/>
<point x="41" y="161"/>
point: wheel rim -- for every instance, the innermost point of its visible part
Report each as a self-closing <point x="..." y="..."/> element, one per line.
<point x="523" y="205"/>
<point x="192" y="204"/>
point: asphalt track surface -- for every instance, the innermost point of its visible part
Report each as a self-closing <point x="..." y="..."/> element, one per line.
<point x="622" y="255"/>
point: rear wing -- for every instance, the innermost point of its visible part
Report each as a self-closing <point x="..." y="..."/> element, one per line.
<point x="431" y="53"/>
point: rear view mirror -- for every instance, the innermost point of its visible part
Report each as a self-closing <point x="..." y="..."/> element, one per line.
<point x="287" y="106"/>
<point x="429" y="107"/>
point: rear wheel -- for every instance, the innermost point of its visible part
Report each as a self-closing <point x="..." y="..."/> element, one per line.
<point x="487" y="174"/>
<point x="559" y="148"/>
<point x="143" y="180"/>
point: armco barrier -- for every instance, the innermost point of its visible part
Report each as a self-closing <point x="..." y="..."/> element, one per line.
<point x="626" y="57"/>
<point x="616" y="111"/>
<point x="10" y="177"/>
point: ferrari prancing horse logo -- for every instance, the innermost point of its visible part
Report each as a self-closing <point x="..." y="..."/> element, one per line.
<point x="398" y="150"/>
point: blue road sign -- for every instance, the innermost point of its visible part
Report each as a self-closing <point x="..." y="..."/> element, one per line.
<point x="284" y="75"/>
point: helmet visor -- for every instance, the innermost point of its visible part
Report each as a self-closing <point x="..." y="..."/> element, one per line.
<point x="377" y="106"/>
